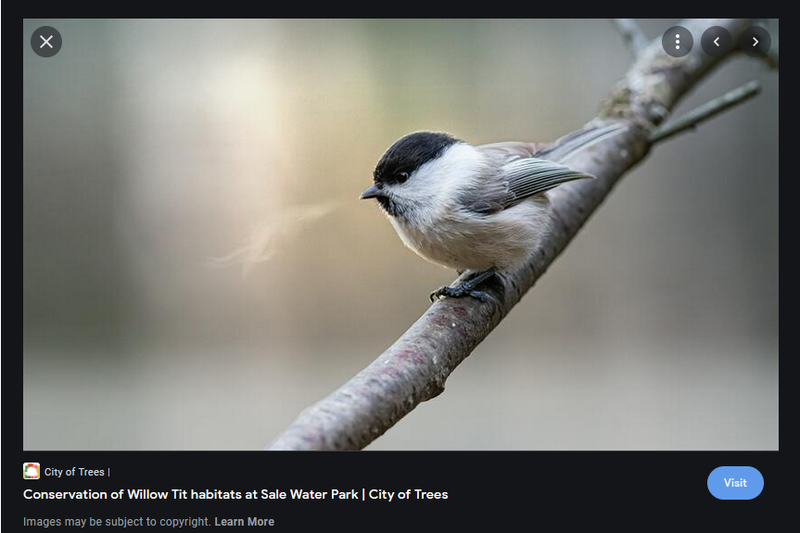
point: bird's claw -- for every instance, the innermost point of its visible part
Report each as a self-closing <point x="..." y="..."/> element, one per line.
<point x="458" y="292"/>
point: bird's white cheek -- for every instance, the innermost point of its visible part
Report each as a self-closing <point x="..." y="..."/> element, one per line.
<point x="438" y="183"/>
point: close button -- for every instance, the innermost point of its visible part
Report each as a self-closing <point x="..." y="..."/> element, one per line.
<point x="46" y="41"/>
<point x="735" y="482"/>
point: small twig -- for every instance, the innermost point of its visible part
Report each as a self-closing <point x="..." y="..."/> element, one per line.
<point x="632" y="35"/>
<point x="771" y="58"/>
<point x="706" y="111"/>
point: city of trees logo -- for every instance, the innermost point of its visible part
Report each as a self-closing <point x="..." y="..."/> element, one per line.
<point x="30" y="470"/>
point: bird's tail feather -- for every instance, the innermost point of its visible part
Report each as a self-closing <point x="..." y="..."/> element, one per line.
<point x="571" y="144"/>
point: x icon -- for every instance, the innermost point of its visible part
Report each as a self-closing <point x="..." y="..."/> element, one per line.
<point x="44" y="46"/>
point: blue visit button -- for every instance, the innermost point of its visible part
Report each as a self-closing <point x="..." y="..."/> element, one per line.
<point x="735" y="483"/>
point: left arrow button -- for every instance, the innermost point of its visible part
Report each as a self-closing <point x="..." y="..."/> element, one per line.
<point x="716" y="41"/>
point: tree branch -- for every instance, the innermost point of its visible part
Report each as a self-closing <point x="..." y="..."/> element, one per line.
<point x="772" y="58"/>
<point x="700" y="114"/>
<point x="632" y="35"/>
<point x="414" y="369"/>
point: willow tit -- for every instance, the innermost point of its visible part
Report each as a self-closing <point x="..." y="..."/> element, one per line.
<point x="480" y="209"/>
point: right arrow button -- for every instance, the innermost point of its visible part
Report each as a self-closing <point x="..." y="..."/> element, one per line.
<point x="755" y="41"/>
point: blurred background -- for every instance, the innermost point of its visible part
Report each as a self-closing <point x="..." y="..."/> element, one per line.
<point x="152" y="148"/>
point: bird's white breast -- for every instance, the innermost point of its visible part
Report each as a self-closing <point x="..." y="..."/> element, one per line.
<point x="465" y="241"/>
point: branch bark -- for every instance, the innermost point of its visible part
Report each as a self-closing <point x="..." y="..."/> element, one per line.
<point x="414" y="369"/>
<point x="632" y="35"/>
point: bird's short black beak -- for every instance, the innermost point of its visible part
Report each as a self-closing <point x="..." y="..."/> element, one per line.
<point x="372" y="192"/>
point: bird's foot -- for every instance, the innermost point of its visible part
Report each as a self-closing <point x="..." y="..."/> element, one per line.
<point x="458" y="291"/>
<point x="466" y="288"/>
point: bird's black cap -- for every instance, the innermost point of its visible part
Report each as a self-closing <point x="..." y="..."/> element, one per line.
<point x="409" y="153"/>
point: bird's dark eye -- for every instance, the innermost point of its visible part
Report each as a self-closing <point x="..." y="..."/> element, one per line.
<point x="402" y="177"/>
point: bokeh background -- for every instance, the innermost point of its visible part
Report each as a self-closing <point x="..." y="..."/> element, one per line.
<point x="153" y="147"/>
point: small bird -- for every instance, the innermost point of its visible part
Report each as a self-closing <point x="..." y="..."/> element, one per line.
<point x="476" y="209"/>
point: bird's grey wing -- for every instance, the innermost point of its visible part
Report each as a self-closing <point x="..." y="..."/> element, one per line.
<point x="526" y="177"/>
<point x="517" y="180"/>
<point x="527" y="169"/>
<point x="495" y="194"/>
